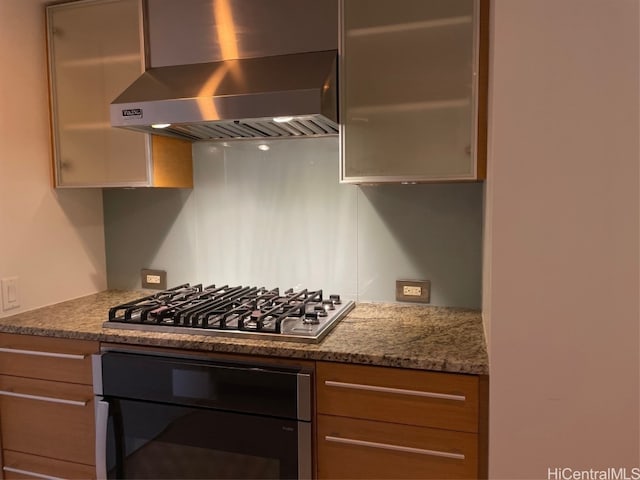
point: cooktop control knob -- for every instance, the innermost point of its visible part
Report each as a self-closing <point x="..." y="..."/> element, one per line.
<point x="311" y="318"/>
<point x="328" y="304"/>
<point x="335" y="299"/>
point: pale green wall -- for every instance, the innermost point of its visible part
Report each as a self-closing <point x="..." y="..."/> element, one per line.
<point x="281" y="218"/>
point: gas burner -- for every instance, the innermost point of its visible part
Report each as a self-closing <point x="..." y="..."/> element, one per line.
<point x="303" y="316"/>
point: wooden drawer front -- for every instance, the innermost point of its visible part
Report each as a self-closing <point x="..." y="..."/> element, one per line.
<point x="47" y="358"/>
<point x="351" y="448"/>
<point x="397" y="395"/>
<point x="47" y="418"/>
<point x="22" y="466"/>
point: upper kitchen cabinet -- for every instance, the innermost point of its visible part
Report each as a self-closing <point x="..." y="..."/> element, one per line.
<point x="96" y="49"/>
<point x="414" y="90"/>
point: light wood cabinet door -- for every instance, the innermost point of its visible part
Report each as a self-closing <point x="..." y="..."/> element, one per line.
<point x="413" y="90"/>
<point x="353" y="448"/>
<point x="382" y="422"/>
<point x="24" y="466"/>
<point x="410" y="397"/>
<point x="47" y="358"/>
<point x="49" y="419"/>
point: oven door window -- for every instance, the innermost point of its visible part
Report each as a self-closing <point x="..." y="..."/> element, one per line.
<point x="160" y="441"/>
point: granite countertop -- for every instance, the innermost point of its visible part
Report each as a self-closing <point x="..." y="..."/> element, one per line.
<point x="383" y="334"/>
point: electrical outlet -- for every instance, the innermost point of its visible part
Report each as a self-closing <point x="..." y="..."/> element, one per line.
<point x="10" y="297"/>
<point x="418" y="291"/>
<point x="153" y="279"/>
<point x="411" y="291"/>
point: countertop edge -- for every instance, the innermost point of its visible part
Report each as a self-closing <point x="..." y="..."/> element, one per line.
<point x="273" y="349"/>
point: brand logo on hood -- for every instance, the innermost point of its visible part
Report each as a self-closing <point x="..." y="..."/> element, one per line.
<point x="132" y="113"/>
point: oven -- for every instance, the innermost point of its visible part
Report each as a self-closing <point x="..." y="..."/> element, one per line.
<point x="178" y="417"/>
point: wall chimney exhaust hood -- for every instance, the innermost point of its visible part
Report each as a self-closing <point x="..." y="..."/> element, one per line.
<point x="273" y="76"/>
<point x="284" y="95"/>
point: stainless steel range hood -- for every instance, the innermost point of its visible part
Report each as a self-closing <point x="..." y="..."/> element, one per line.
<point x="275" y="83"/>
<point x="235" y="98"/>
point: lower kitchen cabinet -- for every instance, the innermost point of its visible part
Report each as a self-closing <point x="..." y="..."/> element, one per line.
<point x="22" y="465"/>
<point x="46" y="407"/>
<point x="371" y="422"/>
<point x="354" y="448"/>
<point x="379" y="422"/>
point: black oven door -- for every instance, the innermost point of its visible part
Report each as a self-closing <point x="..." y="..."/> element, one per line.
<point x="161" y="417"/>
<point x="147" y="440"/>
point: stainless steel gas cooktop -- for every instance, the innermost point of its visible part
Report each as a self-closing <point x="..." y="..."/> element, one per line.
<point x="299" y="316"/>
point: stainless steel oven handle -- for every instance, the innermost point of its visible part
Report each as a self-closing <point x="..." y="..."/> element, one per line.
<point x="399" y="391"/>
<point x="77" y="403"/>
<point x="30" y="474"/>
<point x="305" y="447"/>
<point x="96" y="370"/>
<point x="304" y="397"/>
<point x="102" y="419"/>
<point x="37" y="353"/>
<point x="397" y="448"/>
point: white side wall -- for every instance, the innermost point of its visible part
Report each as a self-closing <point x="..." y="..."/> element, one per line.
<point x="52" y="241"/>
<point x="563" y="220"/>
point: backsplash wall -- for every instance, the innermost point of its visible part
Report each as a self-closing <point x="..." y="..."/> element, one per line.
<point x="281" y="218"/>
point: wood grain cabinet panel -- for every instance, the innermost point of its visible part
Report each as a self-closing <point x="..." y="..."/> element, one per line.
<point x="47" y="419"/>
<point x="411" y="397"/>
<point x="353" y="448"/>
<point x="380" y="422"/>
<point x="24" y="466"/>
<point x="47" y="358"/>
<point x="51" y="419"/>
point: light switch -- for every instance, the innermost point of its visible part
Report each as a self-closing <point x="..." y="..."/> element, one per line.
<point x="10" y="297"/>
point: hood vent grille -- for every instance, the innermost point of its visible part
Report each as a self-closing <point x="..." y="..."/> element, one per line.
<point x="314" y="126"/>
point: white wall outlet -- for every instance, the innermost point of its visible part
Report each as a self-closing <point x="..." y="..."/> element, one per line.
<point x="413" y="291"/>
<point x="10" y="293"/>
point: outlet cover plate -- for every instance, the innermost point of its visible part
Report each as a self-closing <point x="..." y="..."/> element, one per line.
<point x="420" y="291"/>
<point x="153" y="279"/>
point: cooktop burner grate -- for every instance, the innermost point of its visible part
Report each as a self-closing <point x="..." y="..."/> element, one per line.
<point x="304" y="316"/>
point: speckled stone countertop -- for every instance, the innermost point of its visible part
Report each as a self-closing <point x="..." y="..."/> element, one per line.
<point x="384" y="334"/>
